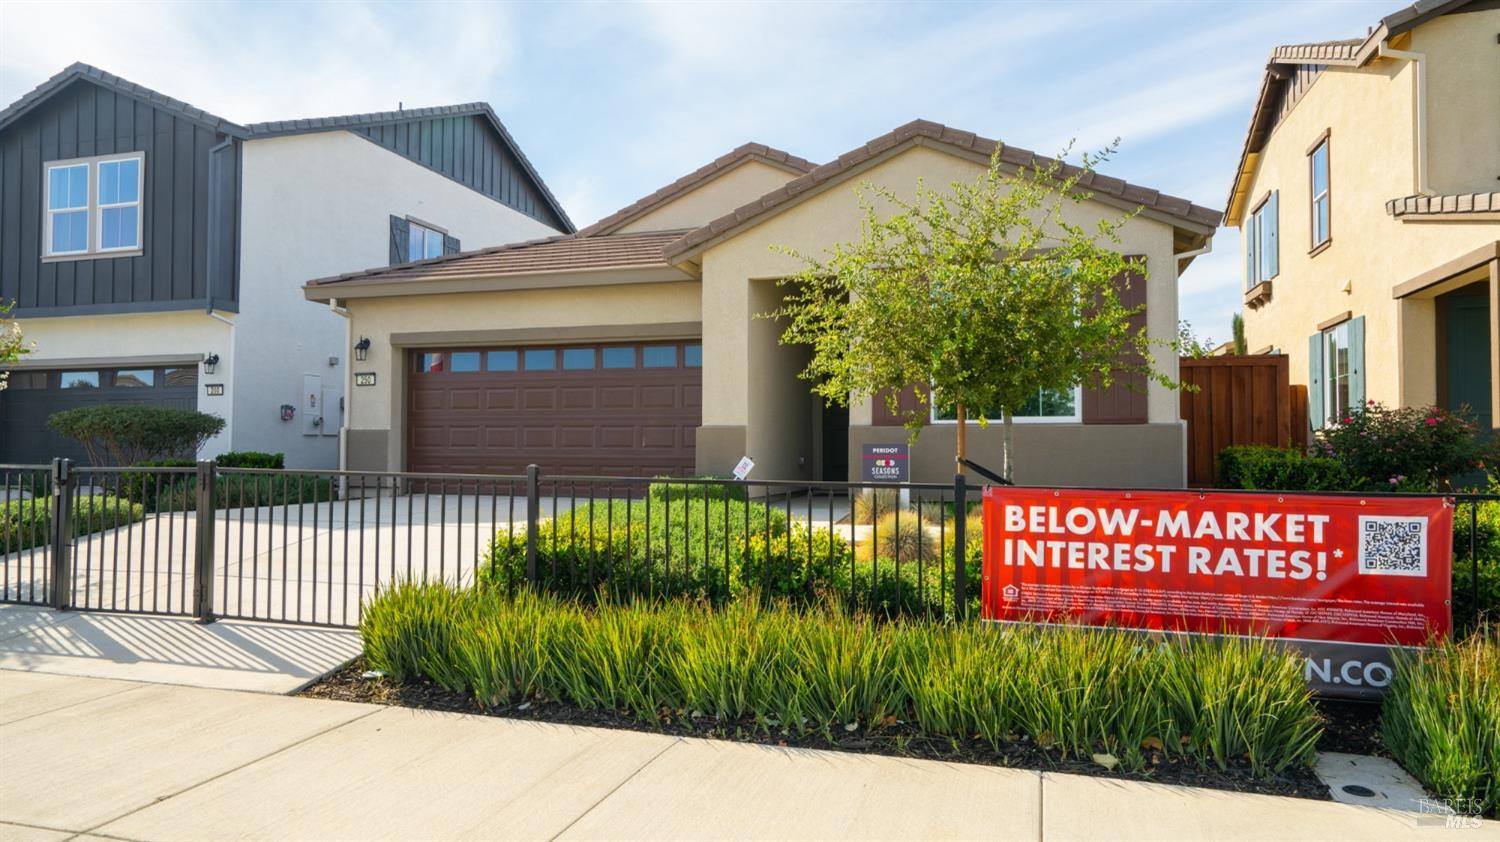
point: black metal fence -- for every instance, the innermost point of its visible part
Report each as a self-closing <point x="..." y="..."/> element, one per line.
<point x="312" y="546"/>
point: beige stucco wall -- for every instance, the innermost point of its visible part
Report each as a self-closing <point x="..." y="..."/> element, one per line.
<point x="713" y="199"/>
<point x="1463" y="90"/>
<point x="750" y="380"/>
<point x="376" y="412"/>
<point x="1372" y="159"/>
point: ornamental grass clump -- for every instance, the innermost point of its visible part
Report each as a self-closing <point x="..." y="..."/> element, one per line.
<point x="785" y="669"/>
<point x="1441" y="719"/>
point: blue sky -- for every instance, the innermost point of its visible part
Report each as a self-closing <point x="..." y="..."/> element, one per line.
<point x="613" y="100"/>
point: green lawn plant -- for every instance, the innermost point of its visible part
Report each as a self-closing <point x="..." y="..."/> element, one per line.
<point x="1441" y="719"/>
<point x="1071" y="692"/>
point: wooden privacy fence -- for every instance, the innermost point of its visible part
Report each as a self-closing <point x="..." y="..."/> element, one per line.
<point x="1239" y="400"/>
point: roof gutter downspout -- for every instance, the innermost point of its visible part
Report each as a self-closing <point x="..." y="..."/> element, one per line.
<point x="1417" y="60"/>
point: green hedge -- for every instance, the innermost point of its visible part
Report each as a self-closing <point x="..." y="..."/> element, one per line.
<point x="1441" y="719"/>
<point x="162" y="491"/>
<point x="27" y="523"/>
<point x="251" y="459"/>
<point x="1279" y="469"/>
<point x="726" y="550"/>
<point x="127" y="434"/>
<point x="1073" y="691"/>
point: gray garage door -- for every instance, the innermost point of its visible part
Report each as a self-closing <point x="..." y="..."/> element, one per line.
<point x="32" y="396"/>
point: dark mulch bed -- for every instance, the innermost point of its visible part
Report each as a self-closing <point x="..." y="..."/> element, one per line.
<point x="897" y="740"/>
<point x="1351" y="728"/>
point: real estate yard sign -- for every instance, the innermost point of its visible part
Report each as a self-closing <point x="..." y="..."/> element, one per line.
<point x="1342" y="579"/>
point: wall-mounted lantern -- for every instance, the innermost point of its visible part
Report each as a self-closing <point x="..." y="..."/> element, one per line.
<point x="209" y="363"/>
<point x="362" y="348"/>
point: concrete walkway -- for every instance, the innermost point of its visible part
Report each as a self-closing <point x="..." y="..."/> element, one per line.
<point x="231" y="655"/>
<point x="140" y="761"/>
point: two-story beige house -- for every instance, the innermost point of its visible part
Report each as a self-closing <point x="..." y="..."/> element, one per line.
<point x="1367" y="201"/>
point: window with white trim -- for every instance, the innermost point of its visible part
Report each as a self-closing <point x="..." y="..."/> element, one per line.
<point x="1336" y="378"/>
<point x="93" y="206"/>
<point x="1049" y="406"/>
<point x="424" y="242"/>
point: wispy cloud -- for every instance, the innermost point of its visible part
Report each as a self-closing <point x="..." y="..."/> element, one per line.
<point x="612" y="100"/>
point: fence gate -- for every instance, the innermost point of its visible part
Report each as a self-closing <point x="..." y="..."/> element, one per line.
<point x="1238" y="400"/>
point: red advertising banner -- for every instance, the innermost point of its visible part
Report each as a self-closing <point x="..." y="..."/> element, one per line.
<point x="1348" y="570"/>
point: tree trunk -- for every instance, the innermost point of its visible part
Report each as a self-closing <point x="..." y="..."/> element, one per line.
<point x="1007" y="470"/>
<point x="962" y="451"/>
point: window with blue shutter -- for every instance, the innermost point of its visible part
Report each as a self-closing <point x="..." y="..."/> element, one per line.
<point x="450" y="245"/>
<point x="1263" y="242"/>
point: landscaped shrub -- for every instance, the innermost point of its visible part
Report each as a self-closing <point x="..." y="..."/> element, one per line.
<point x="662" y="489"/>
<point x="899" y="536"/>
<point x="1280" y="469"/>
<point x="1072" y="691"/>
<point x="871" y="503"/>
<point x="1486" y="545"/>
<point x="663" y="546"/>
<point x="28" y="523"/>
<point x="1405" y="449"/>
<point x="1441" y="719"/>
<point x="176" y="491"/>
<point x="251" y="459"/>
<point x="127" y="434"/>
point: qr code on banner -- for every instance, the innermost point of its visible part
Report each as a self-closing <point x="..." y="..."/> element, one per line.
<point x="1392" y="546"/>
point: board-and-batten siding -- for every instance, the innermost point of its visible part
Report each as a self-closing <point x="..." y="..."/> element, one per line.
<point x="179" y="209"/>
<point x="466" y="150"/>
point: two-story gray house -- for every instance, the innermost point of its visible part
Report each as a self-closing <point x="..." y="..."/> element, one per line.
<point x="155" y="252"/>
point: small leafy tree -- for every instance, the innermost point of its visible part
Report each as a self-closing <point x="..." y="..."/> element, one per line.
<point x="1189" y="342"/>
<point x="12" y="344"/>
<point x="127" y="434"/>
<point x="985" y="294"/>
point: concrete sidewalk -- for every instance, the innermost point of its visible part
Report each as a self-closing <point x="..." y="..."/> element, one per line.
<point x="141" y="761"/>
<point x="231" y="655"/>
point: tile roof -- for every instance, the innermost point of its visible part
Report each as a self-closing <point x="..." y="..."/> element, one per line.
<point x="79" y="70"/>
<point x="1456" y="203"/>
<point x="689" y="182"/>
<point x="1343" y="50"/>
<point x="563" y="253"/>
<point x="1096" y="183"/>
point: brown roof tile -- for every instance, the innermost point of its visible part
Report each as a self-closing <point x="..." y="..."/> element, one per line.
<point x="562" y="253"/>
<point x="692" y="180"/>
<point x="1099" y="184"/>
<point x="1453" y="203"/>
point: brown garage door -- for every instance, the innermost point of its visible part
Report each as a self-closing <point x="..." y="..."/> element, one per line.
<point x="602" y="409"/>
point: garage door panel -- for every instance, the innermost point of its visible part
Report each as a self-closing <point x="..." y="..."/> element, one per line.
<point x="508" y="398"/>
<point x="463" y="399"/>
<point x="660" y="397"/>
<point x="612" y="422"/>
<point x="533" y="400"/>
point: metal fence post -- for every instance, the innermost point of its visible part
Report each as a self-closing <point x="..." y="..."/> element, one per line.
<point x="61" y="533"/>
<point x="533" y="506"/>
<point x="203" y="549"/>
<point x="960" y="562"/>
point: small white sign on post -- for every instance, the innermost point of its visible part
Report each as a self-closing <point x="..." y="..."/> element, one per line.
<point x="744" y="468"/>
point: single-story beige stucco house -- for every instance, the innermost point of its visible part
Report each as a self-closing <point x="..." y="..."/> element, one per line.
<point x="634" y="347"/>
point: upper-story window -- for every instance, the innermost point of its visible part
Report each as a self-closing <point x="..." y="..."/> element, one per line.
<point x="424" y="242"/>
<point x="93" y="206"/>
<point x="1318" y="164"/>
<point x="1262" y="243"/>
